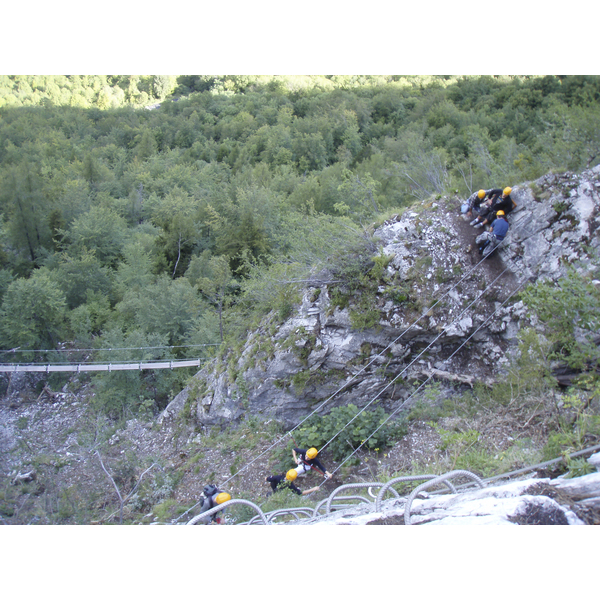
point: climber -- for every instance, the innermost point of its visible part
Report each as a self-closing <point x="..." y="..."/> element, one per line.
<point x="213" y="497"/>
<point x="473" y="203"/>
<point x="499" y="202"/>
<point x="307" y="460"/>
<point x="489" y="240"/>
<point x="286" y="481"/>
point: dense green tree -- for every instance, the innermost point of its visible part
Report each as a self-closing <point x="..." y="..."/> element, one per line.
<point x="100" y="230"/>
<point x="422" y="167"/>
<point x="134" y="273"/>
<point x="89" y="319"/>
<point x="213" y="278"/>
<point x="6" y="278"/>
<point x="162" y="85"/>
<point x="574" y="134"/>
<point x="23" y="202"/>
<point x="147" y="146"/>
<point x="359" y="195"/>
<point x="33" y="312"/>
<point x="177" y="216"/>
<point x="244" y="227"/>
<point x="79" y="275"/>
<point x="166" y="307"/>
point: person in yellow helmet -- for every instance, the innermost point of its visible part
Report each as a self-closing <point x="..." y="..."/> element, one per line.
<point x="489" y="240"/>
<point x="286" y="481"/>
<point x="472" y="204"/>
<point x="307" y="460"/>
<point x="213" y="496"/>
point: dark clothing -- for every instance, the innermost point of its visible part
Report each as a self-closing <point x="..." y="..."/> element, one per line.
<point x="506" y="204"/>
<point x="483" y="210"/>
<point x="314" y="462"/>
<point x="279" y="482"/>
<point x="489" y="204"/>
<point x="494" y="194"/>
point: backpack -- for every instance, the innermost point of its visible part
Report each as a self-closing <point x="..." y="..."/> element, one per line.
<point x="210" y="490"/>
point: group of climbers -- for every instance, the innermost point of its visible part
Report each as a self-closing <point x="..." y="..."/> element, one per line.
<point x="306" y="460"/>
<point x="491" y="208"/>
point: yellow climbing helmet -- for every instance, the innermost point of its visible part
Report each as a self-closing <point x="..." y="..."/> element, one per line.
<point x="481" y="194"/>
<point x="500" y="213"/>
<point x="506" y="191"/>
<point x="222" y="497"/>
<point x="291" y="475"/>
<point x="311" y="453"/>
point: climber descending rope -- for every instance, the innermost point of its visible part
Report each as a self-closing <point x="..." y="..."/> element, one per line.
<point x="307" y="460"/>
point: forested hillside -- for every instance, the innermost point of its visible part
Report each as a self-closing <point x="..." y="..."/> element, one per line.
<point x="169" y="228"/>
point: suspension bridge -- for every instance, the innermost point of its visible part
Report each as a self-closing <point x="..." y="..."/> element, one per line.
<point x="116" y="366"/>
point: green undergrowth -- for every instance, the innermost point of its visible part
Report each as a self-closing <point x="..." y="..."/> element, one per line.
<point x="344" y="430"/>
<point x="537" y="422"/>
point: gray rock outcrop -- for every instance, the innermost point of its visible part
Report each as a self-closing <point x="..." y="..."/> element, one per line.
<point x="445" y="312"/>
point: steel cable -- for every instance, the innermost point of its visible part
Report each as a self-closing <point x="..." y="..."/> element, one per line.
<point x="432" y="482"/>
<point x="341" y="388"/>
<point x="423" y="384"/>
<point x="415" y="359"/>
<point x="223" y="506"/>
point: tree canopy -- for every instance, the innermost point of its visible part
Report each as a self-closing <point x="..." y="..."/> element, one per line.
<point x="176" y="208"/>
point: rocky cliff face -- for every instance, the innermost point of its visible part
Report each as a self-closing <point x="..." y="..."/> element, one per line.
<point x="442" y="312"/>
